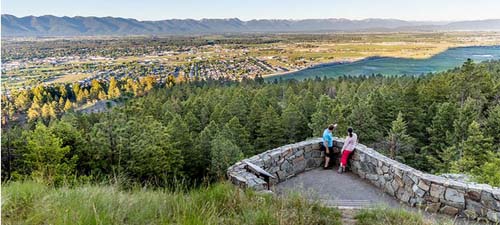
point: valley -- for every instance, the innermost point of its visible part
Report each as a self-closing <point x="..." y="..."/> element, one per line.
<point x="250" y="112"/>
<point x="27" y="62"/>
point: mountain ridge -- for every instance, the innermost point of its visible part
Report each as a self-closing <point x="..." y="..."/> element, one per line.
<point x="49" y="25"/>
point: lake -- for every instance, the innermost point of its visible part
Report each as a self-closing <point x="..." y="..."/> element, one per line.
<point x="448" y="59"/>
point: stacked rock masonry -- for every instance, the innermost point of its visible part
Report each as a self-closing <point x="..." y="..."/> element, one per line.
<point x="411" y="186"/>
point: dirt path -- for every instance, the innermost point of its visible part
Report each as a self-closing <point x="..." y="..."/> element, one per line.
<point x="348" y="216"/>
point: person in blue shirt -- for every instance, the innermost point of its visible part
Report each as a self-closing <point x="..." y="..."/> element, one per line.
<point x="327" y="145"/>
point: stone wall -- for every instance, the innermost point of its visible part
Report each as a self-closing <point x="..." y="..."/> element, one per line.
<point x="413" y="187"/>
<point x="283" y="162"/>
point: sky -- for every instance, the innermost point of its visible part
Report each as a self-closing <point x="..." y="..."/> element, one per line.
<point x="422" y="10"/>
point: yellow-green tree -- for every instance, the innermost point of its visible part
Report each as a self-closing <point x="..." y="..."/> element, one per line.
<point x="67" y="105"/>
<point x="34" y="112"/>
<point x="45" y="156"/>
<point x="113" y="90"/>
<point x="48" y="111"/>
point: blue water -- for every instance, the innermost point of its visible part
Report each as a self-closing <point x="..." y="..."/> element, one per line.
<point x="399" y="66"/>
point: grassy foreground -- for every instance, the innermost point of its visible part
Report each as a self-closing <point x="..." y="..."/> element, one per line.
<point x="33" y="203"/>
<point x="391" y="216"/>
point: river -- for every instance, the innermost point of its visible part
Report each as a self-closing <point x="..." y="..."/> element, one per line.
<point x="448" y="59"/>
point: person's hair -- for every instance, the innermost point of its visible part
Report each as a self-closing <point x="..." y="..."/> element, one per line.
<point x="349" y="130"/>
<point x="330" y="127"/>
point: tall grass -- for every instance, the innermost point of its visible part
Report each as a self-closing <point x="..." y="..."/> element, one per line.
<point x="32" y="203"/>
<point x="392" y="216"/>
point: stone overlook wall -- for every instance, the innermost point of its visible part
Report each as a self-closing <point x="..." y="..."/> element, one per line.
<point x="413" y="187"/>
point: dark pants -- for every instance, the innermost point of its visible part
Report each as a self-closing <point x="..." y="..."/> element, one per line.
<point x="330" y="153"/>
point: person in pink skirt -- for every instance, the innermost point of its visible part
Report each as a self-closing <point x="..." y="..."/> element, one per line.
<point x="350" y="143"/>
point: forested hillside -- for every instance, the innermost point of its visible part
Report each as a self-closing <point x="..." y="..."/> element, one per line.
<point x="192" y="131"/>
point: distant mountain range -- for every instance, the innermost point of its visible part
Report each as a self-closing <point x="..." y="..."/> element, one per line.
<point x="13" y="26"/>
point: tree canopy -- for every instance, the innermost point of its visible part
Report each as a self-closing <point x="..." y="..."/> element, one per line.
<point x="193" y="129"/>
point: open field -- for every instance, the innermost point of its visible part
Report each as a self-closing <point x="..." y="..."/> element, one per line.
<point x="68" y="78"/>
<point x="26" y="63"/>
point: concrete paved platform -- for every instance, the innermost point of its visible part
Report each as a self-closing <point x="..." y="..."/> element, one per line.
<point x="349" y="192"/>
<point x="345" y="190"/>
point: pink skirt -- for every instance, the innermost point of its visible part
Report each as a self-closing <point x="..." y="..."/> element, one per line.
<point x="345" y="156"/>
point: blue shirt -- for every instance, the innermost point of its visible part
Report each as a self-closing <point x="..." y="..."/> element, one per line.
<point x="328" y="137"/>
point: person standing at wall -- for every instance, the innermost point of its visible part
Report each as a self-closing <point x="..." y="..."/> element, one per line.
<point x="350" y="143"/>
<point x="327" y="145"/>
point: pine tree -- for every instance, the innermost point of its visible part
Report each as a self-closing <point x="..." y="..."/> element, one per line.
<point x="107" y="141"/>
<point x="307" y="104"/>
<point x="48" y="112"/>
<point x="151" y="156"/>
<point x="220" y="114"/>
<point x="149" y="82"/>
<point x="76" y="91"/>
<point x="238" y="107"/>
<point x="472" y="82"/>
<point x="294" y="123"/>
<point x="461" y="80"/>
<point x="493" y="126"/>
<point x="414" y="113"/>
<point x="113" y="90"/>
<point x="384" y="106"/>
<point x="45" y="155"/>
<point x="74" y="139"/>
<point x="467" y="113"/>
<point x="338" y="113"/>
<point x="488" y="172"/>
<point x="270" y="133"/>
<point x="224" y="153"/>
<point x="197" y="160"/>
<point x="400" y="144"/>
<point x="60" y="104"/>
<point x="85" y="96"/>
<point x="129" y="86"/>
<point x="34" y="112"/>
<point x="257" y="109"/>
<point x="13" y="143"/>
<point x="67" y="105"/>
<point x="239" y="135"/>
<point x="289" y="96"/>
<point x="363" y="120"/>
<point x="95" y="89"/>
<point x="438" y="153"/>
<point x="22" y="100"/>
<point x="476" y="150"/>
<point x="322" y="117"/>
<point x="102" y="95"/>
<point x="63" y="92"/>
<point x="204" y="115"/>
<point x="80" y="97"/>
<point x="39" y="94"/>
<point x="192" y="122"/>
<point x="180" y="136"/>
